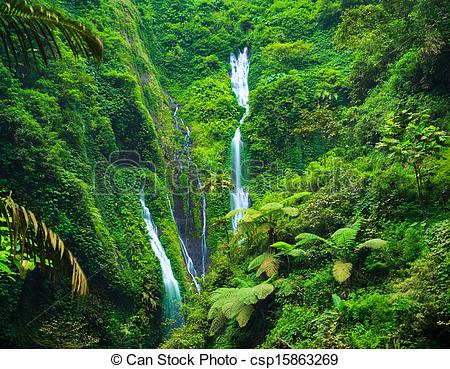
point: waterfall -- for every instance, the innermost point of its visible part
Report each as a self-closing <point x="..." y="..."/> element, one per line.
<point x="187" y="259"/>
<point x="172" y="297"/>
<point x="194" y="249"/>
<point x="203" y="245"/>
<point x="239" y="84"/>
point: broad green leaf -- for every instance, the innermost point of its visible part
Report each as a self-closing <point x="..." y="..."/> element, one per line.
<point x="337" y="302"/>
<point x="374" y="243"/>
<point x="5" y="269"/>
<point x="342" y="271"/>
<point x="256" y="262"/>
<point x="284" y="246"/>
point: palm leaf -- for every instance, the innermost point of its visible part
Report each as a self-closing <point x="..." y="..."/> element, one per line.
<point x="29" y="30"/>
<point x="34" y="241"/>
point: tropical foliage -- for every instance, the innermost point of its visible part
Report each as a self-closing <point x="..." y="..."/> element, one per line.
<point x="32" y="242"/>
<point x="27" y="31"/>
<point x="345" y="156"/>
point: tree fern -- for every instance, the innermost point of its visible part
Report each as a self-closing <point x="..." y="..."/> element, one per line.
<point x="266" y="263"/>
<point x="27" y="31"/>
<point x="344" y="238"/>
<point x="305" y="238"/>
<point x="235" y="304"/>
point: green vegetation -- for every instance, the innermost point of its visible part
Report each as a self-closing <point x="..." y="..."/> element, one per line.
<point x="347" y="241"/>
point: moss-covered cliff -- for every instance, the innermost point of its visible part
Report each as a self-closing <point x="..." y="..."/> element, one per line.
<point x="77" y="141"/>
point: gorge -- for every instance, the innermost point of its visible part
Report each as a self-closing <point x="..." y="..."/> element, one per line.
<point x="226" y="174"/>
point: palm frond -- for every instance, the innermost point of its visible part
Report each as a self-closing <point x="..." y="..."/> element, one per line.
<point x="27" y="31"/>
<point x="31" y="239"/>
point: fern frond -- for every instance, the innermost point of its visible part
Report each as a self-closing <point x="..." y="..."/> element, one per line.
<point x="217" y="324"/>
<point x="235" y="303"/>
<point x="244" y="315"/>
<point x="269" y="265"/>
<point x="263" y="290"/>
<point x="234" y="212"/>
<point x="256" y="262"/>
<point x="344" y="237"/>
<point x="305" y="238"/>
<point x="271" y="207"/>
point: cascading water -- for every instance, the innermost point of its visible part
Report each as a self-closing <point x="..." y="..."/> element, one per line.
<point x="172" y="297"/>
<point x="204" y="245"/>
<point x="187" y="259"/>
<point x="239" y="84"/>
<point x="195" y="250"/>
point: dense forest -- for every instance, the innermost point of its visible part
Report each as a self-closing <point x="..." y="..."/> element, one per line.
<point x="339" y="157"/>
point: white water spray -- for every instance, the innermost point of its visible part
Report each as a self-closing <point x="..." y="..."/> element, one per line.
<point x="172" y="297"/>
<point x="239" y="83"/>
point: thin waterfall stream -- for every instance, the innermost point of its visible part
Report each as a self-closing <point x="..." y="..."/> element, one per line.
<point x="172" y="296"/>
<point x="193" y="242"/>
<point x="187" y="259"/>
<point x="240" y="65"/>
